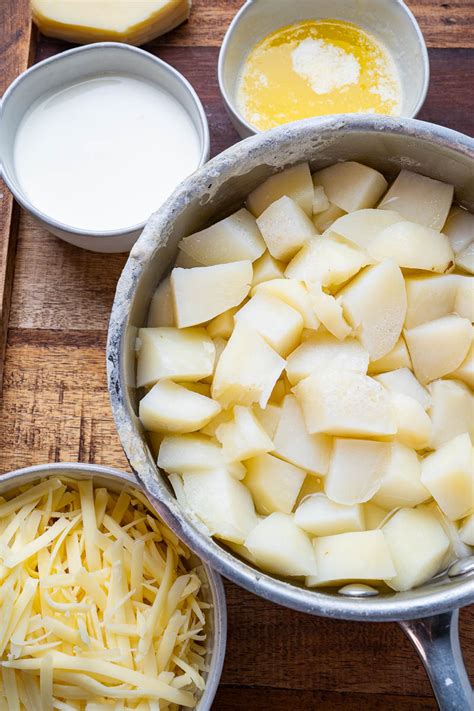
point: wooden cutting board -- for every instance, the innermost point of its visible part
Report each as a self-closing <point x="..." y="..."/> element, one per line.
<point x="55" y="404"/>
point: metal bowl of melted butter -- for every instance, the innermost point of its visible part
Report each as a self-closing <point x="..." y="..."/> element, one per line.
<point x="282" y="62"/>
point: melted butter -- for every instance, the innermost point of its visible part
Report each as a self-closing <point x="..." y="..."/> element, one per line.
<point x="314" y="68"/>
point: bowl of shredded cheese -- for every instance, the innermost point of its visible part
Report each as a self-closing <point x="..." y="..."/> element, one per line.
<point x="103" y="607"/>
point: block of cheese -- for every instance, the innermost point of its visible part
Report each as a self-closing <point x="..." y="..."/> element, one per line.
<point x="135" y="22"/>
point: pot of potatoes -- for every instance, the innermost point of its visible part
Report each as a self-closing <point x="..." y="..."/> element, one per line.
<point x="291" y="372"/>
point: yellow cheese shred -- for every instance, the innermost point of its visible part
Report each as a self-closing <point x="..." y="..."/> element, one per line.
<point x="99" y="607"/>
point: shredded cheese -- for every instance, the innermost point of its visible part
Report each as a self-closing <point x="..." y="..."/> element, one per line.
<point x="99" y="607"/>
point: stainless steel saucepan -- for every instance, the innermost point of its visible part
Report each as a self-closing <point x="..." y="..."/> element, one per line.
<point x="429" y="614"/>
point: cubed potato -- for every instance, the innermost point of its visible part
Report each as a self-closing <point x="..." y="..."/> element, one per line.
<point x="202" y="293"/>
<point x="351" y="186"/>
<point x="361" y="555"/>
<point x="362" y="226"/>
<point x="457" y="549"/>
<point x="465" y="259"/>
<point x="222" y="326"/>
<point x="219" y="419"/>
<point x="295" y="182"/>
<point x="448" y="474"/>
<point x="413" y="246"/>
<point x="413" y="424"/>
<point x="169" y="407"/>
<point x="292" y="292"/>
<point x="327" y="260"/>
<point x="184" y="261"/>
<point x="466" y="531"/>
<point x="279" y="324"/>
<point x="320" y="200"/>
<point x="374" y="515"/>
<point x="266" y="268"/>
<point x="403" y="381"/>
<point x="401" y="482"/>
<point x="459" y="228"/>
<point x="188" y="452"/>
<point x="464" y="303"/>
<point x="281" y="547"/>
<point x="161" y="311"/>
<point x="375" y="305"/>
<point x="233" y="239"/>
<point x="345" y="404"/>
<point x="397" y="358"/>
<point x="293" y="443"/>
<point x="356" y="470"/>
<point x="417" y="544"/>
<point x="465" y="372"/>
<point x="285" y="228"/>
<point x="273" y="483"/>
<point x="243" y="437"/>
<point x="320" y="516"/>
<point x="279" y="392"/>
<point x="167" y="352"/>
<point x="329" y="312"/>
<point x="419" y="199"/>
<point x="325" y="351"/>
<point x="268" y="417"/>
<point x="452" y="411"/>
<point x="438" y="347"/>
<point x="221" y="502"/>
<point x="323" y="220"/>
<point x="247" y="370"/>
<point x="430" y="297"/>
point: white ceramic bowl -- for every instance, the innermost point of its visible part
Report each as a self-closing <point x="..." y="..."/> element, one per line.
<point x="73" y="66"/>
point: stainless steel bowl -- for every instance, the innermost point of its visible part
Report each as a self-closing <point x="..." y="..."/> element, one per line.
<point x="212" y="193"/>
<point x="212" y="588"/>
<point x="390" y="21"/>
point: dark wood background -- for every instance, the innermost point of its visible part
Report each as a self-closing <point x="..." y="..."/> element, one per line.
<point x="55" y="407"/>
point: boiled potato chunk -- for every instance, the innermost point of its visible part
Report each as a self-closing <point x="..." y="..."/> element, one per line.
<point x="459" y="229"/>
<point x="345" y="404"/>
<point x="285" y="228"/>
<point x="169" y="407"/>
<point x="247" y="370"/>
<point x="320" y="516"/>
<point x="401" y="482"/>
<point x="219" y="419"/>
<point x="320" y="200"/>
<point x="430" y="297"/>
<point x="351" y="186"/>
<point x="188" y="452"/>
<point x="417" y="544"/>
<point x="419" y="199"/>
<point x="293" y="443"/>
<point x="403" y="381"/>
<point x="452" y="411"/>
<point x="375" y="304"/>
<point x="274" y="484"/>
<point x="413" y="424"/>
<point x="438" y="347"/>
<point x="269" y="417"/>
<point x="413" y="246"/>
<point x="161" y="311"/>
<point x="356" y="470"/>
<point x="465" y="372"/>
<point x="167" y="352"/>
<point x="448" y="474"/>
<point x="201" y="293"/>
<point x="322" y="351"/>
<point x="233" y="239"/>
<point x="221" y="502"/>
<point x="243" y="437"/>
<point x="293" y="293"/>
<point x="222" y="326"/>
<point x="323" y="220"/>
<point x="279" y="324"/>
<point x="464" y="304"/>
<point x="329" y="312"/>
<point x="397" y="358"/>
<point x="362" y="226"/>
<point x="361" y="555"/>
<point x="466" y="532"/>
<point x="374" y="516"/>
<point x="327" y="260"/>
<point x="465" y="259"/>
<point x="281" y="547"/>
<point x="295" y="182"/>
<point x="266" y="268"/>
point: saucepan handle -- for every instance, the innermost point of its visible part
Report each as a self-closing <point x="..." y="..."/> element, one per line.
<point x="436" y="640"/>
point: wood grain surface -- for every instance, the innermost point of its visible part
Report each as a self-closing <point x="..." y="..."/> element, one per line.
<point x="55" y="405"/>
